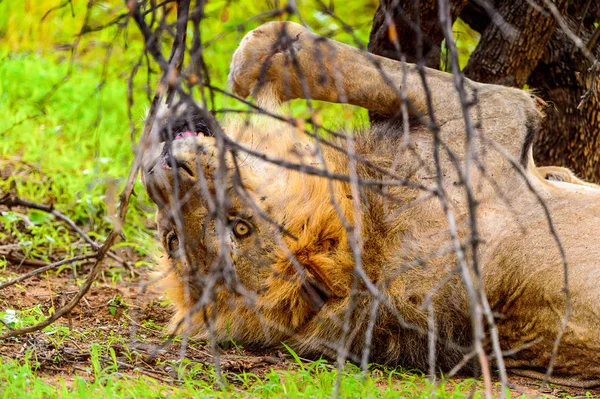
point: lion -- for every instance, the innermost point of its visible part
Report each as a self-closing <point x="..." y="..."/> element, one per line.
<point x="559" y="175"/>
<point x="365" y="244"/>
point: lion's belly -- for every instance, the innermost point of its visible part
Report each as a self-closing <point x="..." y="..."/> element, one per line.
<point x="522" y="272"/>
<point x="524" y="275"/>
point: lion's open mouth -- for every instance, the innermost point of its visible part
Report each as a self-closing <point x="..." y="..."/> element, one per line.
<point x="183" y="135"/>
<point x="187" y="124"/>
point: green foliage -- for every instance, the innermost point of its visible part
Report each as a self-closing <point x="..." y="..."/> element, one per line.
<point x="466" y="42"/>
<point x="21" y="318"/>
<point x="116" y="303"/>
<point x="74" y="147"/>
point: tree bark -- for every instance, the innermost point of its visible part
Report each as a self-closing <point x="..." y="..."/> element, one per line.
<point x="409" y="29"/>
<point x="570" y="135"/>
<point x="416" y="25"/>
<point x="506" y="59"/>
<point x="543" y="57"/>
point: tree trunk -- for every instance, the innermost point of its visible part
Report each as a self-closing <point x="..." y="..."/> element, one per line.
<point x="416" y="25"/>
<point x="543" y="57"/>
<point x="569" y="136"/>
<point x="509" y="51"/>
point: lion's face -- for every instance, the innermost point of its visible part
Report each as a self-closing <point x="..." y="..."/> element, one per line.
<point x="246" y="236"/>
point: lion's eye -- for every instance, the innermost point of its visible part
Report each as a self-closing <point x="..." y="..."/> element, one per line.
<point x="241" y="229"/>
<point x="173" y="242"/>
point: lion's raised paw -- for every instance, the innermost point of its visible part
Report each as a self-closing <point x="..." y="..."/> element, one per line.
<point x="261" y="64"/>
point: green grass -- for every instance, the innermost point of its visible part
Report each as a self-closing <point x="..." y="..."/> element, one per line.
<point x="305" y="380"/>
<point x="74" y="148"/>
<point x="112" y="374"/>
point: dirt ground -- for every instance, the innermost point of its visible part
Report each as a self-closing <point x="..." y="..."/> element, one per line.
<point x="130" y="316"/>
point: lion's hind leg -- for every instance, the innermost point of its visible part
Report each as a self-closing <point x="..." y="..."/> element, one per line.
<point x="281" y="61"/>
<point x="571" y="382"/>
<point x="560" y="174"/>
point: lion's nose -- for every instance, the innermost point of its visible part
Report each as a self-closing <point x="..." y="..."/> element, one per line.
<point x="172" y="165"/>
<point x="182" y="155"/>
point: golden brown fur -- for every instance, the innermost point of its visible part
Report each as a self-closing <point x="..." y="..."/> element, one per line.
<point x="406" y="249"/>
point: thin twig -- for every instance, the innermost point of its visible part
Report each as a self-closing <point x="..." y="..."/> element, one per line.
<point x="51" y="266"/>
<point x="11" y="200"/>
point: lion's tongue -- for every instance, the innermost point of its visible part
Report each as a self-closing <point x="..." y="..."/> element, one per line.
<point x="183" y="135"/>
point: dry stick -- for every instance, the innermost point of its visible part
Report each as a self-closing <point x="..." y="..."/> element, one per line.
<point x="594" y="39"/>
<point x="364" y="361"/>
<point x="311" y="170"/>
<point x="20" y="122"/>
<point x="565" y="27"/>
<point x="11" y="200"/>
<point x="23" y="260"/>
<point x="354" y="231"/>
<point x="223" y="258"/>
<point x="170" y="76"/>
<point x="569" y="305"/>
<point x="405" y="119"/>
<point x="328" y="143"/>
<point x="48" y="267"/>
<point x="9" y="247"/>
<point x="243" y="193"/>
<point x="130" y="99"/>
<point x="144" y="370"/>
<point x="510" y="352"/>
<point x="74" y="47"/>
<point x="431" y="341"/>
<point x="354" y="238"/>
<point x="595" y="68"/>
<point x="474" y="305"/>
<point x="207" y="296"/>
<point x="152" y="46"/>
<point x="241" y="190"/>
<point x="585" y="11"/>
<point x="150" y="39"/>
<point x="508" y="31"/>
<point x="6" y="325"/>
<point x="466" y="177"/>
<point x="58" y="7"/>
<point x="262" y="18"/>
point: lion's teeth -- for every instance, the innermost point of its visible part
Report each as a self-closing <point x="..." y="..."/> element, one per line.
<point x="183" y="135"/>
